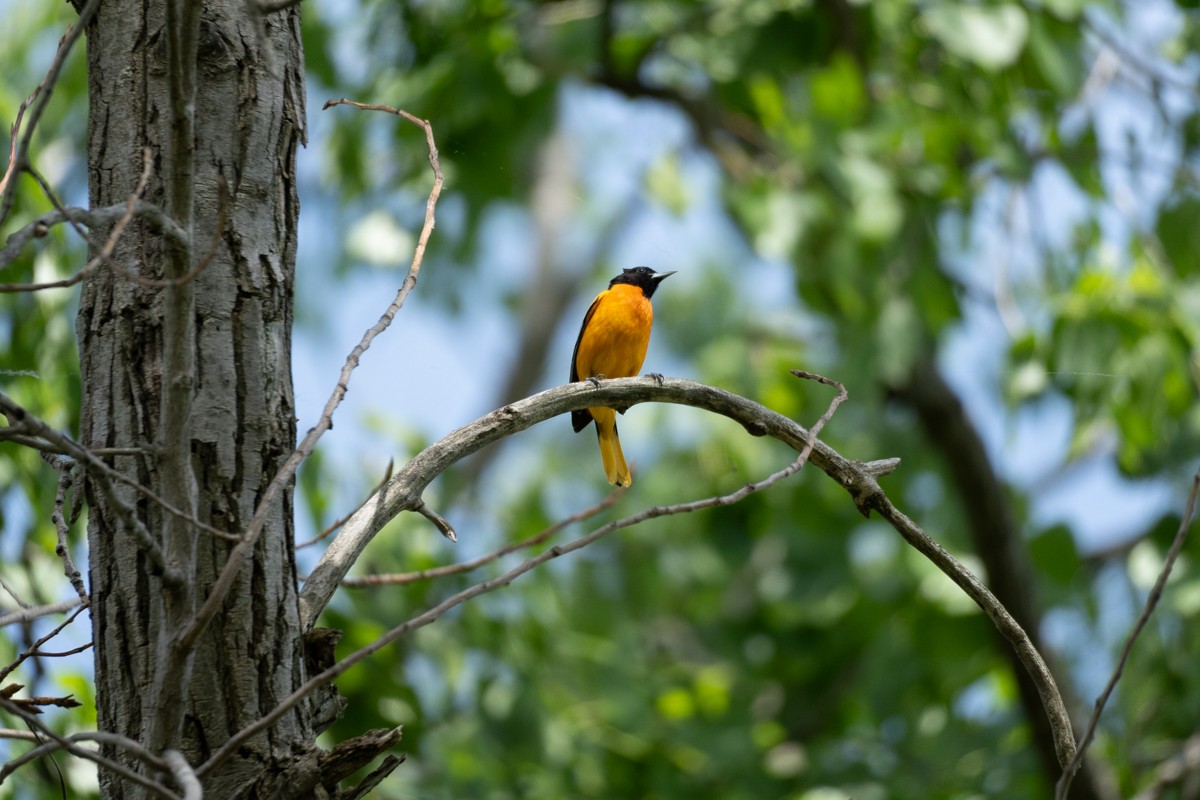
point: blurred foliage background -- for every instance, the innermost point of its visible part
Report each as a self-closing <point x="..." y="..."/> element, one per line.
<point x="979" y="216"/>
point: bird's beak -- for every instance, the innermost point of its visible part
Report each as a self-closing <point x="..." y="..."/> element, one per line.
<point x="659" y="277"/>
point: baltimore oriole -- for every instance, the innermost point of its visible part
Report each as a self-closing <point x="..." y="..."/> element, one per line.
<point x="612" y="344"/>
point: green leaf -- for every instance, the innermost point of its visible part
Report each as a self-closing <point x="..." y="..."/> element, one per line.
<point x="1180" y="234"/>
<point x="991" y="37"/>
<point x="1054" y="553"/>
<point x="877" y="210"/>
<point x="1060" y="66"/>
<point x="837" y="91"/>
<point x="1066" y="9"/>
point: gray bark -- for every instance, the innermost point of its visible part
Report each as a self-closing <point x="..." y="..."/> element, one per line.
<point x="249" y="120"/>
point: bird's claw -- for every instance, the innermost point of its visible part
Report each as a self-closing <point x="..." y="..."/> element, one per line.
<point x="594" y="380"/>
<point x="657" y="376"/>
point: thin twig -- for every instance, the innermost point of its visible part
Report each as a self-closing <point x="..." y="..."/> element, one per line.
<point x="202" y="264"/>
<point x="63" y="653"/>
<point x="483" y="587"/>
<point x="70" y="744"/>
<point x="35" y="612"/>
<point x="441" y="523"/>
<point x="828" y="415"/>
<point x="1064" y="782"/>
<point x="49" y="440"/>
<point x="32" y="650"/>
<point x="23" y="420"/>
<point x="93" y="218"/>
<point x="337" y="523"/>
<point x="403" y="578"/>
<point x="48" y="190"/>
<point x="404" y="491"/>
<point x="61" y="524"/>
<point x="13" y="593"/>
<point x="239" y="554"/>
<point x="34" y="704"/>
<point x="18" y="158"/>
<point x="109" y="246"/>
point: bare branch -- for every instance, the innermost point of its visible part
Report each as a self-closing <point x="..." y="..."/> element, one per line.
<point x="1185" y="524"/>
<point x="70" y="744"/>
<point x="32" y="650"/>
<point x="184" y="775"/>
<point x="202" y="264"/>
<point x="508" y="577"/>
<point x="7" y="587"/>
<point x="483" y="587"/>
<point x="375" y="777"/>
<point x="34" y="704"/>
<point x="48" y="190"/>
<point x="61" y="524"/>
<point x="441" y="523"/>
<point x="23" y="421"/>
<point x="1031" y="659"/>
<point x="404" y="491"/>
<point x="35" y="612"/>
<point x="18" y="153"/>
<point x="353" y="754"/>
<point x="63" y="653"/>
<point x="337" y="523"/>
<point x="990" y="521"/>
<point x="239" y="554"/>
<point x="93" y="218"/>
<point x="474" y="564"/>
<point x="50" y="441"/>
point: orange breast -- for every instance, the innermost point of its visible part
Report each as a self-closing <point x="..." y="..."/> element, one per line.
<point x="615" y="340"/>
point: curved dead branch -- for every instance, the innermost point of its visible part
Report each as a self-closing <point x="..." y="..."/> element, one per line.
<point x="403" y="493"/>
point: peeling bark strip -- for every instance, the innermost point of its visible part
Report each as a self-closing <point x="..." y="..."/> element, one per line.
<point x="248" y="121"/>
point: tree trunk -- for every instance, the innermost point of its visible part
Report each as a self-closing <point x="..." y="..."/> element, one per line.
<point x="249" y="120"/>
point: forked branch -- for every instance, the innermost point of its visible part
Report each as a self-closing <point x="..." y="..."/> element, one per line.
<point x="483" y="587"/>
<point x="403" y="493"/>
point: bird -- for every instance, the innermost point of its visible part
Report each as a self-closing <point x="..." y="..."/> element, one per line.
<point x="612" y="344"/>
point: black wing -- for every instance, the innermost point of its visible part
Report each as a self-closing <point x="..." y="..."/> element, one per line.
<point x="581" y="418"/>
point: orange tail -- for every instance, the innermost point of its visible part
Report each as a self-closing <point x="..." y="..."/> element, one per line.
<point x="615" y="468"/>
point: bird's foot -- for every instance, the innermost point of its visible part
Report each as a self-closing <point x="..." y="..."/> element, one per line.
<point x="657" y="376"/>
<point x="594" y="380"/>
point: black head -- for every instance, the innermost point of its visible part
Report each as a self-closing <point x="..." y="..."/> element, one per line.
<point x="643" y="277"/>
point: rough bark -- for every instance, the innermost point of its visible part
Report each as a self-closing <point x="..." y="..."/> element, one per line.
<point x="249" y="120"/>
